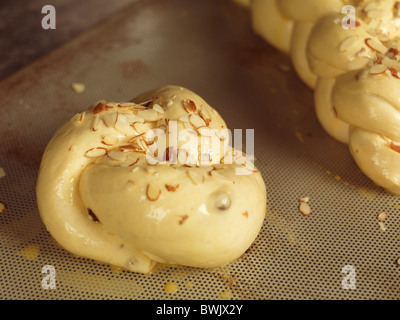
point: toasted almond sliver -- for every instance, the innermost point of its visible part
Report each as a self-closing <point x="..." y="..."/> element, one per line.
<point x="158" y="108"/>
<point x="96" y="123"/>
<point x="382" y="216"/>
<point x="376" y="45"/>
<point x="122" y="125"/>
<point x="169" y="102"/>
<point x="110" y="119"/>
<point x="3" y="207"/>
<point x="205" y="115"/>
<point x="2" y="173"/>
<point x="305" y="209"/>
<point x="348" y="43"/>
<point x="108" y="141"/>
<point x="148" y="115"/>
<point x="197" y="121"/>
<point x="220" y="176"/>
<point x="153" y="192"/>
<point x="391" y="63"/>
<point x="395" y="146"/>
<point x="126" y="104"/>
<point x="141" y="127"/>
<point x="78" y="87"/>
<point x="189" y="106"/>
<point x="185" y="118"/>
<point x="305" y="199"/>
<point x="96" y="152"/>
<point x="382" y="226"/>
<point x="358" y="63"/>
<point x="196" y="177"/>
<point x="377" y="69"/>
<point x="117" y="155"/>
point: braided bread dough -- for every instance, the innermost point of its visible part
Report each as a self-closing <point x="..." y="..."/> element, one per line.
<point x="354" y="71"/>
<point x="100" y="198"/>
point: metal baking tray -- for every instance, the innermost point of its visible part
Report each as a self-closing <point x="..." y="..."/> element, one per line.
<point x="208" y="47"/>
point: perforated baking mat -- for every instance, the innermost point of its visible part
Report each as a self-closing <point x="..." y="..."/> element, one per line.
<point x="208" y="47"/>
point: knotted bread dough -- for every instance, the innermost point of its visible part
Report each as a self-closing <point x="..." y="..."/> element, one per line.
<point x="100" y="197"/>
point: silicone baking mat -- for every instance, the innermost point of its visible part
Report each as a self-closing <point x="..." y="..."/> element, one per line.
<point x="208" y="47"/>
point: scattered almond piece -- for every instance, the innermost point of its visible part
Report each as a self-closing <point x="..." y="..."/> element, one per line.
<point x="382" y="216"/>
<point x="3" y="207"/>
<point x="171" y="188"/>
<point x="305" y="209"/>
<point x="305" y="199"/>
<point x="78" y="87"/>
<point x="2" y="173"/>
<point x="96" y="152"/>
<point x="382" y="226"/>
<point x="196" y="177"/>
<point x="153" y="192"/>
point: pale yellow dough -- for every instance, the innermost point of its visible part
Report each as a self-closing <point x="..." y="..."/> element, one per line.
<point x="355" y="73"/>
<point x="204" y="222"/>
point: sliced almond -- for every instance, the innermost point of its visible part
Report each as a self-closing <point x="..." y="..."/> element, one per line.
<point x="395" y="146"/>
<point x="153" y="192"/>
<point x="158" y="108"/>
<point x="141" y="127"/>
<point x="96" y="152"/>
<point x="2" y="173"/>
<point x="197" y="121"/>
<point x="358" y="63"/>
<point x="382" y="226"/>
<point x="169" y="102"/>
<point x="305" y="199"/>
<point x="110" y="119"/>
<point x="126" y="105"/>
<point x="218" y="175"/>
<point x="205" y="115"/>
<point x="185" y="118"/>
<point x="189" y="106"/>
<point x="122" y="125"/>
<point x="148" y="115"/>
<point x="305" y="209"/>
<point x="3" y="207"/>
<point x="378" y="69"/>
<point x="196" y="177"/>
<point x="376" y="45"/>
<point x="391" y="63"/>
<point x="96" y="123"/>
<point x="117" y="155"/>
<point x="109" y="141"/>
<point x="382" y="216"/>
<point x="348" y="43"/>
<point x="78" y="87"/>
<point x="171" y="188"/>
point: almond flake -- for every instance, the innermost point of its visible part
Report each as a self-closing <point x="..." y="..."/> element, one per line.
<point x="305" y="199"/>
<point x="122" y="125"/>
<point x="96" y="152"/>
<point x="395" y="146"/>
<point x="305" y="209"/>
<point x="376" y="45"/>
<point x="153" y="192"/>
<point x="141" y="127"/>
<point x="358" y="63"/>
<point x="382" y="226"/>
<point x="169" y="102"/>
<point x="183" y="218"/>
<point x="2" y="173"/>
<point x="158" y="108"/>
<point x="348" y="43"/>
<point x="197" y="121"/>
<point x="196" y="177"/>
<point x="127" y="148"/>
<point x="171" y="188"/>
<point x="220" y="176"/>
<point x="108" y="141"/>
<point x="382" y="216"/>
<point x="110" y="119"/>
<point x="148" y="115"/>
<point x="391" y="63"/>
<point x="3" y="207"/>
<point x="96" y="123"/>
<point x="82" y="116"/>
<point x="205" y="115"/>
<point x="189" y="106"/>
<point x="126" y="105"/>
<point x="78" y="87"/>
<point x="377" y="69"/>
<point x="117" y="155"/>
<point x="185" y="118"/>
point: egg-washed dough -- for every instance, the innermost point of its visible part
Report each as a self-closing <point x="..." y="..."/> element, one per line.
<point x="100" y="198"/>
<point x="355" y="73"/>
